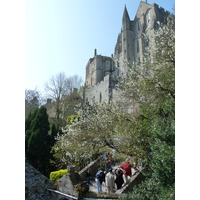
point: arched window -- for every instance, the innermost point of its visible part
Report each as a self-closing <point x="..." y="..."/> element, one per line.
<point x="138" y="24"/>
<point x="148" y="16"/>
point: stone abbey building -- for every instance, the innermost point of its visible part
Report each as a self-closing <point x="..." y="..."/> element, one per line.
<point x="103" y="72"/>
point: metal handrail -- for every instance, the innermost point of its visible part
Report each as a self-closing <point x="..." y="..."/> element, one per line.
<point x="66" y="195"/>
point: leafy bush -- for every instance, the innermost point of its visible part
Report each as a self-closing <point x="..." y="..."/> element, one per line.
<point x="56" y="175"/>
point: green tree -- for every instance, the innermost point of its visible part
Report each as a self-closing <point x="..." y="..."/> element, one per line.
<point x="38" y="140"/>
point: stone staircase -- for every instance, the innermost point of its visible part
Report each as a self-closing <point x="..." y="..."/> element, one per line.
<point x="94" y="166"/>
<point x="133" y="180"/>
<point x="136" y="178"/>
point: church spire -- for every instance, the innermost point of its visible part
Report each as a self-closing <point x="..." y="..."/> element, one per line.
<point x="125" y="20"/>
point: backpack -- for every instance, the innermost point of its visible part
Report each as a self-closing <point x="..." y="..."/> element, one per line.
<point x="99" y="174"/>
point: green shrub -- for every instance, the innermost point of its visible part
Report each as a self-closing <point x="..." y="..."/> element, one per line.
<point x="54" y="176"/>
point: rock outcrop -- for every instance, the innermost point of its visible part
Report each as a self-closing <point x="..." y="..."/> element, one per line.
<point x="36" y="185"/>
<point x="72" y="184"/>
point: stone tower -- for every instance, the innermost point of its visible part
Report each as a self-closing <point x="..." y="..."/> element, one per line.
<point x="134" y="40"/>
<point x="97" y="68"/>
<point x="127" y="41"/>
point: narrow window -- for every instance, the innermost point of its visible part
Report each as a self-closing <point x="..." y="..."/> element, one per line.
<point x="138" y="22"/>
<point x="148" y="16"/>
<point x="138" y="47"/>
<point x="100" y="97"/>
<point x="147" y="41"/>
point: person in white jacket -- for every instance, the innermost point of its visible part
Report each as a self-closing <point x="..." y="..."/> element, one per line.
<point x="110" y="181"/>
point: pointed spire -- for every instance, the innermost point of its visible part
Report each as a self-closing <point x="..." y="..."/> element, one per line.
<point x="125" y="20"/>
<point x="125" y="15"/>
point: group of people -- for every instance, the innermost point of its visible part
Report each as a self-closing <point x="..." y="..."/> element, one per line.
<point x="119" y="176"/>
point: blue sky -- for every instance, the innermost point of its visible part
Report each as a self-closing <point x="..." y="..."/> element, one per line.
<point x="61" y="35"/>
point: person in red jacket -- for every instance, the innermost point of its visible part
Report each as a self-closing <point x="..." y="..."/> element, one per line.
<point x="126" y="167"/>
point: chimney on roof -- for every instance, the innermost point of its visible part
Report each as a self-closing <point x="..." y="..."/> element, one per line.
<point x="95" y="52"/>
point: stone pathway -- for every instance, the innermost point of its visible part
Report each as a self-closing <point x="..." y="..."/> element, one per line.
<point x="93" y="187"/>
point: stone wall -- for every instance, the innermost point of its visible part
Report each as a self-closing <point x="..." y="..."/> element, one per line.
<point x="99" y="92"/>
<point x="93" y="166"/>
<point x="134" y="180"/>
